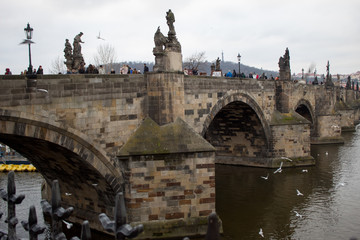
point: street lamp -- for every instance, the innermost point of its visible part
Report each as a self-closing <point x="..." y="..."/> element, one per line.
<point x="239" y="58"/>
<point x="28" y="33"/>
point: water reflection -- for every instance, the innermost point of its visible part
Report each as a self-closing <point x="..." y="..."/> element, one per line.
<point x="330" y="205"/>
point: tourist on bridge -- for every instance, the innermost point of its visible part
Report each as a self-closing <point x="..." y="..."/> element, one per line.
<point x="146" y="68"/>
<point x="234" y="73"/>
<point x="229" y="74"/>
<point x="40" y="70"/>
<point x="7" y="71"/>
<point x="101" y="69"/>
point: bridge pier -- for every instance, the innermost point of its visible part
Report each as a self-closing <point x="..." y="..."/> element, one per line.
<point x="169" y="174"/>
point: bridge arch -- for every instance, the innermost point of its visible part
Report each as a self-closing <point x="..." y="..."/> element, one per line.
<point x="60" y="152"/>
<point x="305" y="109"/>
<point x="238" y="129"/>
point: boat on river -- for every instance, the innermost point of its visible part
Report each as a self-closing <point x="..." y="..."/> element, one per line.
<point x="10" y="160"/>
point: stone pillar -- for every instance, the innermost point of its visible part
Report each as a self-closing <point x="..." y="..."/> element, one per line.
<point x="165" y="96"/>
<point x="282" y="96"/>
<point x="329" y="129"/>
<point x="290" y="138"/>
<point x="169" y="174"/>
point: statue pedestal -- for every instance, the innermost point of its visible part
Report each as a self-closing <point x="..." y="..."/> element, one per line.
<point x="172" y="61"/>
<point x="167" y="61"/>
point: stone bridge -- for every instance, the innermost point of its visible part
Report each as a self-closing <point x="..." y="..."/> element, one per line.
<point x="80" y="129"/>
<point x="157" y="136"/>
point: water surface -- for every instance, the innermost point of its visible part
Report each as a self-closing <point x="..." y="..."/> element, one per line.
<point x="330" y="204"/>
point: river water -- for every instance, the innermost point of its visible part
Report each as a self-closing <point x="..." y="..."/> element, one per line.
<point x="245" y="202"/>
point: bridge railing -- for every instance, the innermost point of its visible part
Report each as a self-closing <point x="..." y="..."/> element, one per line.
<point x="58" y="215"/>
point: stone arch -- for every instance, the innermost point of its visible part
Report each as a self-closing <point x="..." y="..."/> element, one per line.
<point x="231" y="103"/>
<point x="305" y="109"/>
<point x="60" y="152"/>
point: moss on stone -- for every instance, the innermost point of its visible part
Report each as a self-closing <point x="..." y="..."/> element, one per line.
<point x="340" y="105"/>
<point x="292" y="117"/>
<point x="176" y="137"/>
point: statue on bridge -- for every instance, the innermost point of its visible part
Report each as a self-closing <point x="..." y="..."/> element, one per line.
<point x="284" y="65"/>
<point x="159" y="40"/>
<point x="68" y="54"/>
<point x="348" y="83"/>
<point x="167" y="50"/>
<point x="217" y="65"/>
<point x="73" y="56"/>
<point x="170" y="19"/>
<point x="328" y="81"/>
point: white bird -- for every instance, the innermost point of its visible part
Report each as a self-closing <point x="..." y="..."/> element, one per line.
<point x="285" y="158"/>
<point x="299" y="193"/>
<point x="279" y="170"/>
<point x="68" y="194"/>
<point x="94" y="184"/>
<point x="261" y="232"/>
<point x="42" y="90"/>
<point x="68" y="225"/>
<point x="326" y="153"/>
<point x="297" y="214"/>
<point x="340" y="184"/>
<point x="304" y="170"/>
<point x="266" y="178"/>
<point x="98" y="37"/>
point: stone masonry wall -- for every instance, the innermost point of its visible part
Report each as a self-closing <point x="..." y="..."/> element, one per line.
<point x="169" y="186"/>
<point x="203" y="93"/>
<point x="291" y="141"/>
<point x="106" y="108"/>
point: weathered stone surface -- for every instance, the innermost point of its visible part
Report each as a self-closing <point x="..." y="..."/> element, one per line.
<point x="177" y="137"/>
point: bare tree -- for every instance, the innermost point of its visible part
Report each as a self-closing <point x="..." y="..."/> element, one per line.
<point x="195" y="61"/>
<point x="106" y="55"/>
<point x="58" y="66"/>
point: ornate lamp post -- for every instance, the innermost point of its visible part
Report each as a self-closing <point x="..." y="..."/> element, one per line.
<point x="239" y="58"/>
<point x="28" y="33"/>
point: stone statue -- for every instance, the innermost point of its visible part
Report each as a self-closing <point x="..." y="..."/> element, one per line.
<point x="170" y="19"/>
<point x="78" y="59"/>
<point x="68" y="54"/>
<point x="73" y="56"/>
<point x="328" y="81"/>
<point x="217" y="66"/>
<point x="159" y="40"/>
<point x="76" y="44"/>
<point x="284" y="62"/>
<point x="284" y="65"/>
<point x="348" y="83"/>
<point x="167" y="50"/>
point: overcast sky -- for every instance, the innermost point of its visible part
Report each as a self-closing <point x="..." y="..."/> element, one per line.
<point x="315" y="31"/>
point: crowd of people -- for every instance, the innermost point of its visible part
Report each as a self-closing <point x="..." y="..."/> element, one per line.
<point x="91" y="69"/>
<point x="126" y="69"/>
<point x="40" y="70"/>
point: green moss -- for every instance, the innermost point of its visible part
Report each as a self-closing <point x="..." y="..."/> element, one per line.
<point x="292" y="117"/>
<point x="176" y="137"/>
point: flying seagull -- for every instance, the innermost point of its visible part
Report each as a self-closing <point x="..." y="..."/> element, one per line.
<point x="261" y="232"/>
<point x="304" y="170"/>
<point x="285" y="158"/>
<point x="279" y="170"/>
<point x="297" y="214"/>
<point x="266" y="178"/>
<point x="68" y="194"/>
<point x="299" y="193"/>
<point x="68" y="225"/>
<point x="98" y="37"/>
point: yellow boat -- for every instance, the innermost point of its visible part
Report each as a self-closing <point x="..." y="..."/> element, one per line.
<point x="17" y="168"/>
